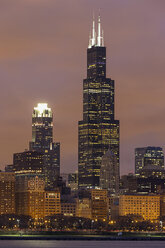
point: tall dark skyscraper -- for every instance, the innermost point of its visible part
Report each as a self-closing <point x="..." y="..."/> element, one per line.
<point x="98" y="131"/>
<point x="42" y="141"/>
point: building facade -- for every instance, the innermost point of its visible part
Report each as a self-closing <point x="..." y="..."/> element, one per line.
<point x="109" y="174"/>
<point x="99" y="200"/>
<point x="148" y="156"/>
<point x="30" y="196"/>
<point x="98" y="130"/>
<point x="147" y="206"/>
<point x="42" y="141"/>
<point x="28" y="162"/>
<point x="7" y="193"/>
<point x="52" y="204"/>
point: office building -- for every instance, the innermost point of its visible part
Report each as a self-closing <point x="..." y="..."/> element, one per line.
<point x="99" y="129"/>
<point x="147" y="206"/>
<point x="84" y="208"/>
<point x="148" y="156"/>
<point x="42" y="141"/>
<point x="30" y="196"/>
<point x="52" y="204"/>
<point x="134" y="184"/>
<point x="28" y="162"/>
<point x="109" y="174"/>
<point x="73" y="181"/>
<point x="68" y="208"/>
<point x="99" y="200"/>
<point x="7" y="193"/>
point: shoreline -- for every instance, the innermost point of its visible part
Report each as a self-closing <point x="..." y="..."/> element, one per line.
<point x="83" y="237"/>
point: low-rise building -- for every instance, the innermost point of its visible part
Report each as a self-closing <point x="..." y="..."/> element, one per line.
<point x="68" y="208"/>
<point x="147" y="206"/>
<point x="84" y="208"/>
<point x="52" y="204"/>
<point x="99" y="198"/>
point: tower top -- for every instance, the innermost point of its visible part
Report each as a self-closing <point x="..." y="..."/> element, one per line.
<point x="42" y="110"/>
<point x="99" y="40"/>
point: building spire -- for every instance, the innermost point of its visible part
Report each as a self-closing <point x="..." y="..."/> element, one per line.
<point x="96" y="39"/>
<point x="99" y="38"/>
<point x="90" y="42"/>
<point x="93" y="40"/>
<point x="102" y="37"/>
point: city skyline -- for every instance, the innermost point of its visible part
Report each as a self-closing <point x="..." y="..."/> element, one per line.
<point x="32" y="71"/>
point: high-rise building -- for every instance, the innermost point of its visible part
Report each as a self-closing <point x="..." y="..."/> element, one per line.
<point x="28" y="162"/>
<point x="42" y="141"/>
<point x="148" y="157"/>
<point x="98" y="130"/>
<point x="7" y="193"/>
<point x="109" y="175"/>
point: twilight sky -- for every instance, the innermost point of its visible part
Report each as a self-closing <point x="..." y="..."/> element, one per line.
<point x="43" y="59"/>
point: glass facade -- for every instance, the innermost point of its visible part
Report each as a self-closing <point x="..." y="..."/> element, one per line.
<point x="98" y="130"/>
<point x="42" y="141"/>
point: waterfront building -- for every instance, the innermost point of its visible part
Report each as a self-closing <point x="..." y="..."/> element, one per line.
<point x="147" y="206"/>
<point x="99" y="199"/>
<point x="99" y="129"/>
<point x="148" y="156"/>
<point x="109" y="175"/>
<point x="84" y="208"/>
<point x="68" y="208"/>
<point x="30" y="195"/>
<point x="113" y="208"/>
<point x="7" y="193"/>
<point x="42" y="141"/>
<point x="52" y="204"/>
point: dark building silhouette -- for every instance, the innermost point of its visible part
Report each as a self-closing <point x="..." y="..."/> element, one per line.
<point x="151" y="157"/>
<point x="134" y="184"/>
<point x="42" y="141"/>
<point x="28" y="162"/>
<point x="98" y="130"/>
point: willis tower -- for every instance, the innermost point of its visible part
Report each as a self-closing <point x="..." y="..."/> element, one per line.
<point x="98" y="131"/>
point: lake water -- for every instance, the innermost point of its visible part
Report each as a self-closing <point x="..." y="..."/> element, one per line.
<point x="80" y="244"/>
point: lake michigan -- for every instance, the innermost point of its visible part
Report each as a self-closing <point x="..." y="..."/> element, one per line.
<point x="79" y="244"/>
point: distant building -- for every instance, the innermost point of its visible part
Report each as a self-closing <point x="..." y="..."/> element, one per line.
<point x="147" y="206"/>
<point x="109" y="173"/>
<point x="134" y="184"/>
<point x="28" y="162"/>
<point x="9" y="168"/>
<point x="73" y="181"/>
<point x="7" y="193"/>
<point x="148" y="156"/>
<point x="42" y="141"/>
<point x="64" y="177"/>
